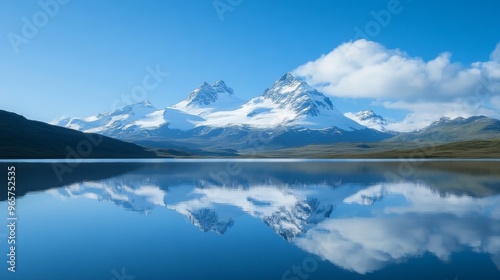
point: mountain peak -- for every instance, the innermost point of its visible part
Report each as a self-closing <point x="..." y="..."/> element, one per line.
<point x="287" y="76"/>
<point x="143" y="105"/>
<point x="289" y="91"/>
<point x="441" y="120"/>
<point x="207" y="94"/>
<point x="289" y="80"/>
<point x="366" y="112"/>
<point x="220" y="83"/>
<point x="369" y="119"/>
<point x="208" y="98"/>
<point x="369" y="115"/>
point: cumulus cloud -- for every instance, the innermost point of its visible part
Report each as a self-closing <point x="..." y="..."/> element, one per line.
<point x="366" y="69"/>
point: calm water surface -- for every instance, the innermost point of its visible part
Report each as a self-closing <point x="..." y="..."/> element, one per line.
<point x="254" y="220"/>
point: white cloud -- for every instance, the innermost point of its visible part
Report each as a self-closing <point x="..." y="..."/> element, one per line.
<point x="366" y="69"/>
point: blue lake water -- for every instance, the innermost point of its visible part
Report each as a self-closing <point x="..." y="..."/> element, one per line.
<point x="254" y="220"/>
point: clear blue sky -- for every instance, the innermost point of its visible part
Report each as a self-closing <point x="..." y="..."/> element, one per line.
<point x="92" y="52"/>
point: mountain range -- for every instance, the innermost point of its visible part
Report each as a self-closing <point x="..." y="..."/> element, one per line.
<point x="288" y="113"/>
<point x="454" y="130"/>
<point x="213" y="121"/>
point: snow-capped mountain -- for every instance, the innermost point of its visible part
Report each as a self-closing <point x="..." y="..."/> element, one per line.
<point x="136" y="118"/>
<point x="209" y="98"/>
<point x="290" y="112"/>
<point x="119" y="119"/>
<point x="369" y="119"/>
<point x="289" y="92"/>
<point x="289" y="102"/>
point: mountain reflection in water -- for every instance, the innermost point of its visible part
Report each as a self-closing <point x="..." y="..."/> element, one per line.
<point x="331" y="210"/>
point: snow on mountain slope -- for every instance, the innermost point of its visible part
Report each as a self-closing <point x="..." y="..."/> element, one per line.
<point x="139" y="117"/>
<point x="177" y="119"/>
<point x="369" y="119"/>
<point x="149" y="121"/>
<point x="288" y="102"/>
<point x="258" y="113"/>
<point x="209" y="98"/>
<point x="118" y="119"/>
<point x="172" y="118"/>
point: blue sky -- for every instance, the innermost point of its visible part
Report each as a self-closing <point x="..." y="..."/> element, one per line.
<point x="89" y="54"/>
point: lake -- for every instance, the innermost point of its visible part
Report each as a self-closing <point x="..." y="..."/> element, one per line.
<point x="253" y="219"/>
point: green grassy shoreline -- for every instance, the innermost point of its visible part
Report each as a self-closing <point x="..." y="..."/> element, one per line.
<point x="384" y="150"/>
